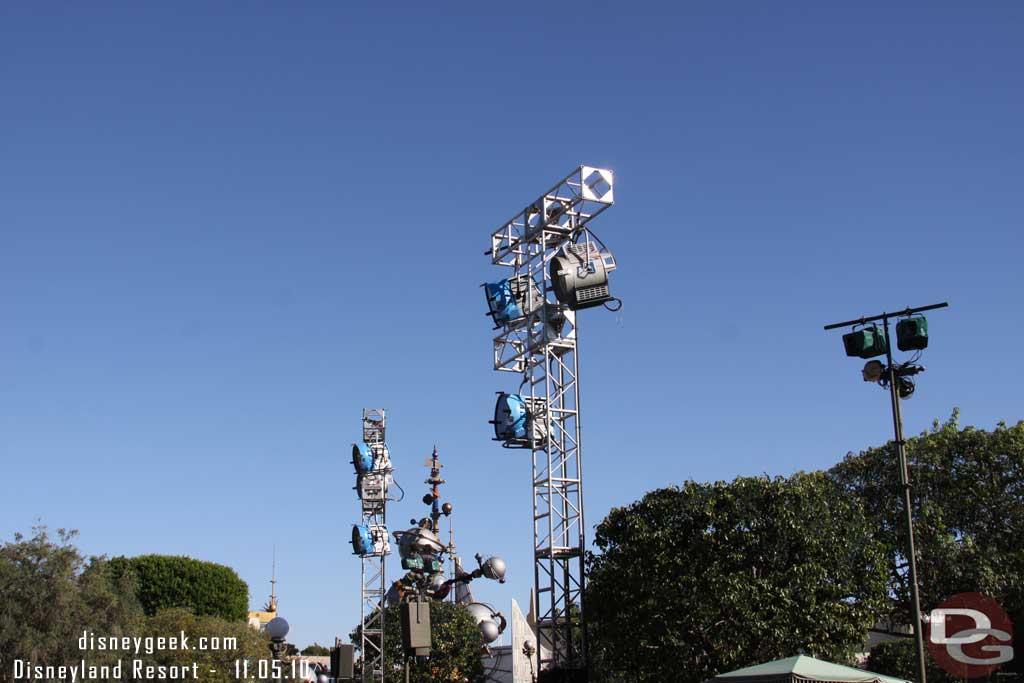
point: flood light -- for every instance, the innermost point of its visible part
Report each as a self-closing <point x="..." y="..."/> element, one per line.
<point x="579" y="275"/>
<point x="873" y="371"/>
<point x="912" y="334"/>
<point x="362" y="541"/>
<point x="370" y="540"/>
<point x="510" y="418"/>
<point x="502" y="305"/>
<point x="866" y="342"/>
<point x="362" y="458"/>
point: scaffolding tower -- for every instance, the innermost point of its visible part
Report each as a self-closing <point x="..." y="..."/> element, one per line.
<point x="542" y="347"/>
<point x="373" y="495"/>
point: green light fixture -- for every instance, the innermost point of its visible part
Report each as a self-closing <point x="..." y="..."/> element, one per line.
<point x="912" y="333"/>
<point x="866" y="342"/>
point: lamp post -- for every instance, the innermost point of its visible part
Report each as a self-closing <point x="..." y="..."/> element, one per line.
<point x="277" y="629"/>
<point x="866" y="344"/>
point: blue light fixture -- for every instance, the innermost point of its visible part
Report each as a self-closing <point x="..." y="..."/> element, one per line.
<point x="362" y="458"/>
<point x="501" y="302"/>
<point x="510" y="418"/>
<point x="362" y="540"/>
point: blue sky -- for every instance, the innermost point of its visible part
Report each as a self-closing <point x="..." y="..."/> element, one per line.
<point x="224" y="230"/>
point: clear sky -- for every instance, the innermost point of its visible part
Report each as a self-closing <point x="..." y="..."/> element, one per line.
<point x="226" y="228"/>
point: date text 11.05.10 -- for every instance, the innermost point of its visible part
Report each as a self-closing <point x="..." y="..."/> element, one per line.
<point x="270" y="669"/>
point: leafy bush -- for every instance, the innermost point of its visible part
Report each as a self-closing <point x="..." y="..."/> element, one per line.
<point x="206" y="588"/>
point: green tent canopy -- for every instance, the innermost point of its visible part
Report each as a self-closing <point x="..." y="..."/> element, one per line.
<point x="801" y="669"/>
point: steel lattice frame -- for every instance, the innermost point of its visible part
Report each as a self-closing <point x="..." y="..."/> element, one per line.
<point x="542" y="347"/>
<point x="373" y="579"/>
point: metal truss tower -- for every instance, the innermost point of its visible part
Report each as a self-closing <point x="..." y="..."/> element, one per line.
<point x="541" y="345"/>
<point x="373" y="494"/>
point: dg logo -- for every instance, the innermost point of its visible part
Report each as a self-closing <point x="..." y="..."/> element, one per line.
<point x="970" y="635"/>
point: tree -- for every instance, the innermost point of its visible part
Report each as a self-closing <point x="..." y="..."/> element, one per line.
<point x="50" y="594"/>
<point x="456" y="651"/>
<point x="727" y="575"/>
<point x="968" y="509"/>
<point x="899" y="658"/>
<point x="316" y="650"/>
<point x="226" y="643"/>
<point x="205" y="588"/>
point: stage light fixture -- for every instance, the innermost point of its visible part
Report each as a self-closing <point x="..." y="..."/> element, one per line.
<point x="511" y="299"/>
<point x="866" y="342"/>
<point x="873" y="371"/>
<point x="912" y="333"/>
<point x="362" y="541"/>
<point x="362" y="458"/>
<point x="370" y="540"/>
<point x="579" y="275"/>
<point x="510" y="418"/>
<point x="502" y="305"/>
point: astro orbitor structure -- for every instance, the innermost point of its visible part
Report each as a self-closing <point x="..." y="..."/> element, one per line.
<point x="557" y="267"/>
<point x="372" y="463"/>
<point x="424" y="554"/>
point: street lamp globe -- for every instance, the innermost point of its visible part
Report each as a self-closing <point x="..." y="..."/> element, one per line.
<point x="277" y="629"/>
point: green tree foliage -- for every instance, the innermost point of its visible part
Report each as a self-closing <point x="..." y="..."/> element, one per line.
<point x="968" y="508"/>
<point x="456" y="647"/>
<point x="316" y="650"/>
<point x="227" y="642"/>
<point x="50" y="594"/>
<point x="206" y="588"/>
<point x="899" y="658"/>
<point x="694" y="581"/>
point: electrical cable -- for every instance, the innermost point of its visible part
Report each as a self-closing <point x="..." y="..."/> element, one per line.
<point x="616" y="300"/>
<point x="395" y="481"/>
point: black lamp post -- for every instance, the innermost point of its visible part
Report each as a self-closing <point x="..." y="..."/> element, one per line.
<point x="277" y="629"/>
<point x="867" y="343"/>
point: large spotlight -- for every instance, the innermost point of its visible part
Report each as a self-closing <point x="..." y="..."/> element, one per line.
<point x="912" y="333"/>
<point x="579" y="275"/>
<point x="873" y="371"/>
<point x="362" y="458"/>
<point x="370" y="540"/>
<point x="866" y="342"/>
<point x="502" y="305"/>
<point x="511" y="299"/>
<point x="510" y="418"/>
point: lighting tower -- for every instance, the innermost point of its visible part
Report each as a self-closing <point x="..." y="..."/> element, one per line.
<point x="557" y="267"/>
<point x="370" y="539"/>
<point x="869" y="342"/>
